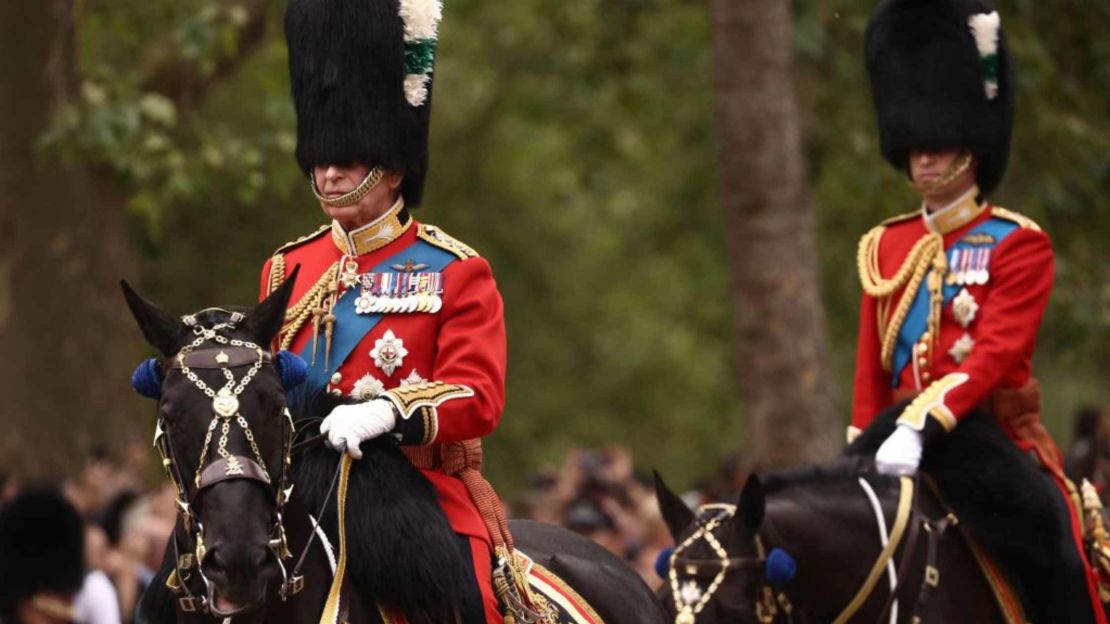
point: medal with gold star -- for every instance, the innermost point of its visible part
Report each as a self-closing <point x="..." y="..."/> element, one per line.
<point x="389" y="352"/>
<point x="962" y="348"/>
<point x="964" y="308"/>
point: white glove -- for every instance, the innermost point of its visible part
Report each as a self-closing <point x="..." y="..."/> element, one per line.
<point x="348" y="426"/>
<point x="900" y="454"/>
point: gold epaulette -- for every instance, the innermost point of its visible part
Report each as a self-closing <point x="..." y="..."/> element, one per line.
<point x="435" y="236"/>
<point x="902" y="217"/>
<point x="1020" y="219"/>
<point x="304" y="239"/>
<point x="277" y="259"/>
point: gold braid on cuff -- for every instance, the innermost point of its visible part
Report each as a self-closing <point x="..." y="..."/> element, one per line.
<point x="430" y="394"/>
<point x="349" y="199"/>
<point x="930" y="403"/>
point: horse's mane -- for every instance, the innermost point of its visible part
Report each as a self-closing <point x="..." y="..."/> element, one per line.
<point x="405" y="555"/>
<point x="839" y="470"/>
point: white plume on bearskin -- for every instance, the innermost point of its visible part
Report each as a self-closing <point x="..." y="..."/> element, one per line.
<point x="421" y="18"/>
<point x="985" y="27"/>
<point x="416" y="88"/>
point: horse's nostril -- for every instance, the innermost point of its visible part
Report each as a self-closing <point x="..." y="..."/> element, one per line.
<point x="237" y="562"/>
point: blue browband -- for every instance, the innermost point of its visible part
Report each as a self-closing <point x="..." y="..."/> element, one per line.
<point x="147" y="378"/>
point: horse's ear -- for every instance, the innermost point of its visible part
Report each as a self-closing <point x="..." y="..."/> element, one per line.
<point x="675" y="512"/>
<point x="753" y="503"/>
<point x="266" y="319"/>
<point x="161" y="330"/>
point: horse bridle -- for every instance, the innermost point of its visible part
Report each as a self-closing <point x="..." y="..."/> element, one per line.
<point x="233" y="354"/>
<point x="690" y="599"/>
<point x="771" y="603"/>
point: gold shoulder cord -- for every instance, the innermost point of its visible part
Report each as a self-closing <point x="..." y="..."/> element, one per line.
<point x="309" y="305"/>
<point x="277" y="271"/>
<point x="927" y="253"/>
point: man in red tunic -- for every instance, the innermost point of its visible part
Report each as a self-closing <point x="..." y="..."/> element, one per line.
<point x="954" y="293"/>
<point x="392" y="313"/>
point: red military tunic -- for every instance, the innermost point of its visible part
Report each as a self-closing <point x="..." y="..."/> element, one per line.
<point x="952" y="304"/>
<point x="997" y="277"/>
<point x="438" y="352"/>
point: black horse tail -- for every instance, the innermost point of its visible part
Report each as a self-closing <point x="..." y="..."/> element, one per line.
<point x="401" y="551"/>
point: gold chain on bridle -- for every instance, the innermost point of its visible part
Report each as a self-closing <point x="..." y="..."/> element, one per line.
<point x="225" y="402"/>
<point x="225" y="406"/>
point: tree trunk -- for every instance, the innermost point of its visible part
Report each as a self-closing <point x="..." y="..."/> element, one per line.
<point x="789" y="396"/>
<point x="67" y="342"/>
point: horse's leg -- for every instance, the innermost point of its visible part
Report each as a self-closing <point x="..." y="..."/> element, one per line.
<point x="609" y="585"/>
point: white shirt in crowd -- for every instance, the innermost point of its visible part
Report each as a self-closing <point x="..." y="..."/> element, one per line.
<point x="97" y="602"/>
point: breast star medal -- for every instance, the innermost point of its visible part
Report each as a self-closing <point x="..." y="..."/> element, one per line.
<point x="962" y="348"/>
<point x="964" y="308"/>
<point x="413" y="379"/>
<point x="388" y="352"/>
<point x="367" y="387"/>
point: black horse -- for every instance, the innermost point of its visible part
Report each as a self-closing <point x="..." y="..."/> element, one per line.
<point x="824" y="522"/>
<point x="820" y="519"/>
<point x="246" y="547"/>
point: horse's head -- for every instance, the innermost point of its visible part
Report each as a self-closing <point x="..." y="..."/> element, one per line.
<point x="225" y="435"/>
<point x="719" y="571"/>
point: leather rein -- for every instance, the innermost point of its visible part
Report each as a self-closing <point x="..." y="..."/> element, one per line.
<point x="690" y="598"/>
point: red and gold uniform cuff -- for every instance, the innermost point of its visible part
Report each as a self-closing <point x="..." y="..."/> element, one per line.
<point x="417" y="406"/>
<point x="930" y="404"/>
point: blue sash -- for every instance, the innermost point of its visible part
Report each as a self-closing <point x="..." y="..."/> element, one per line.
<point x="351" y="327"/>
<point x="917" y="319"/>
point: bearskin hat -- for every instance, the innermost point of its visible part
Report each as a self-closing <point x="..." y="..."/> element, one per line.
<point x="42" y="548"/>
<point x="941" y="78"/>
<point x="360" y="72"/>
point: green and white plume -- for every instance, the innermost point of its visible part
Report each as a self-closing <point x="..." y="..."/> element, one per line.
<point x="421" y="19"/>
<point x="984" y="27"/>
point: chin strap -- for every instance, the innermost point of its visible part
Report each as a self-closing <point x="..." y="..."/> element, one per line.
<point x="961" y="164"/>
<point x="349" y="199"/>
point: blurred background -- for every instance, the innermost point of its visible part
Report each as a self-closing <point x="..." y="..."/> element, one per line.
<point x="670" y="193"/>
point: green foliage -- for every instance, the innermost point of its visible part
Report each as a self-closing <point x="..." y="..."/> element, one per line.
<point x="573" y="145"/>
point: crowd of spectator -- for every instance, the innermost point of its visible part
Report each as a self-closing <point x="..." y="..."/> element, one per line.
<point x="126" y="528"/>
<point x="595" y="492"/>
<point x="600" y="494"/>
